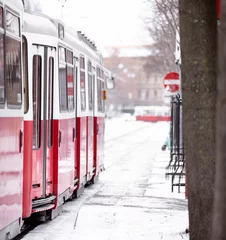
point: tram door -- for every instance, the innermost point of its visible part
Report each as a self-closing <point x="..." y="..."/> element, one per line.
<point x="43" y="105"/>
<point x="95" y="160"/>
<point x="90" y="167"/>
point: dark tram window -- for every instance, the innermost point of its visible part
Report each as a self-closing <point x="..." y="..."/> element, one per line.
<point x="70" y="80"/>
<point x="60" y="31"/>
<point x="1" y="17"/>
<point x="50" y="102"/>
<point x="25" y="75"/>
<point x="70" y="88"/>
<point x="13" y="72"/>
<point x="2" y="75"/>
<point x="99" y="90"/>
<point x="69" y="57"/>
<point x="37" y="78"/>
<point x="12" y="23"/>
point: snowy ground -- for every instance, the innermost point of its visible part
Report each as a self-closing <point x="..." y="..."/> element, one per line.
<point x="132" y="199"/>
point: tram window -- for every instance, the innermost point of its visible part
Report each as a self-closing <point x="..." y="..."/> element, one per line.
<point x="70" y="80"/>
<point x="63" y="87"/>
<point x="90" y="86"/>
<point x="12" y="23"/>
<point x="62" y="54"/>
<point x="102" y="99"/>
<point x="13" y="72"/>
<point x="63" y="79"/>
<point x="70" y="88"/>
<point x="37" y="77"/>
<point x="69" y="57"/>
<point x="1" y="17"/>
<point x="50" y="102"/>
<point x="99" y="95"/>
<point x="82" y="83"/>
<point x="99" y="92"/>
<point x="25" y="75"/>
<point x="82" y="62"/>
<point x="2" y="75"/>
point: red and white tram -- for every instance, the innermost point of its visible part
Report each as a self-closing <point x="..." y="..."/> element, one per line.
<point x="152" y="113"/>
<point x="51" y="114"/>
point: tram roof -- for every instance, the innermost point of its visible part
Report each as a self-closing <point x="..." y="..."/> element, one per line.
<point x="14" y="4"/>
<point x="39" y="24"/>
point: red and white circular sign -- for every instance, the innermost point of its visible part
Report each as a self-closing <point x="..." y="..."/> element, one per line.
<point x="171" y="82"/>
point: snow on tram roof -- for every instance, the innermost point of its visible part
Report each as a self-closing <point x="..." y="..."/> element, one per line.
<point x="40" y="24"/>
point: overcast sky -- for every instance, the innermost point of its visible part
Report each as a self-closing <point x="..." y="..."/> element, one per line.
<point x="107" y="22"/>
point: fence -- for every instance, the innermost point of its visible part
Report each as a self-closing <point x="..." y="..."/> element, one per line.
<point x="176" y="166"/>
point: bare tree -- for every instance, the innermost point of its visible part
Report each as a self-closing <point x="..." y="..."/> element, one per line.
<point x="198" y="31"/>
<point x="219" y="220"/>
<point x="163" y="25"/>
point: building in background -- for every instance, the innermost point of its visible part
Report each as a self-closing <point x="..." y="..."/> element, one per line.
<point x="139" y="77"/>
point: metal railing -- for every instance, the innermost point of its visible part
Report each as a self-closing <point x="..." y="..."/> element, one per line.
<point x="176" y="166"/>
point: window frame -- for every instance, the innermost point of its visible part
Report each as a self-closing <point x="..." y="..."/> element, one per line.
<point x="90" y="85"/>
<point x="50" y="101"/>
<point x="100" y="88"/>
<point x="15" y="37"/>
<point x="83" y="70"/>
<point x="2" y="33"/>
<point x="70" y="65"/>
<point x="37" y="120"/>
<point x="25" y="74"/>
<point x="62" y="62"/>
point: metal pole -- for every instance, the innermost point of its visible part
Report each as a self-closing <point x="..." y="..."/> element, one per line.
<point x="62" y="2"/>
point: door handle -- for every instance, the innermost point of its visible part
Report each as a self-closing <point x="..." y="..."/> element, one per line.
<point x="73" y="134"/>
<point x="97" y="128"/>
<point x="60" y="137"/>
<point x="20" y="141"/>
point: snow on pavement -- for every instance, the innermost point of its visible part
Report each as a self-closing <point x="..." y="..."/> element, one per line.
<point x="132" y="199"/>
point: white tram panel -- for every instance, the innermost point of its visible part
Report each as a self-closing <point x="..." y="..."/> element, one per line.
<point x="38" y="30"/>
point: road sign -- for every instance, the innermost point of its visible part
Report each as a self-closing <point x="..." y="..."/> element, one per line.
<point x="171" y="82"/>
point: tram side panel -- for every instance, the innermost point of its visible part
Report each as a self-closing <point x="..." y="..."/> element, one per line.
<point x="66" y="164"/>
<point x="11" y="127"/>
<point x="11" y="165"/>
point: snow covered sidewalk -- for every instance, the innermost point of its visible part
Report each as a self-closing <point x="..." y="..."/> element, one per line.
<point x="131" y="201"/>
<point x="135" y="202"/>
